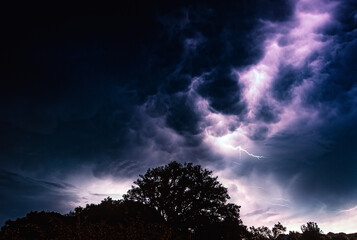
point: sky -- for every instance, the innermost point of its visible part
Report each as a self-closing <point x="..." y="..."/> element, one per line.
<point x="264" y="93"/>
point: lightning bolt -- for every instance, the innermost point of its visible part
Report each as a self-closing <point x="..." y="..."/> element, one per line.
<point x="240" y="148"/>
<point x="244" y="150"/>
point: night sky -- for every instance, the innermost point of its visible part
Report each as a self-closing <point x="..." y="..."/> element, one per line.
<point x="262" y="92"/>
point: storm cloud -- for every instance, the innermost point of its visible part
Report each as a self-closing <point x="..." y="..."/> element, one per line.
<point x="261" y="92"/>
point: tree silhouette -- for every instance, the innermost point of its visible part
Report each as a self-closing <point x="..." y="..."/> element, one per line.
<point x="264" y="233"/>
<point x="260" y="233"/>
<point x="110" y="220"/>
<point x="277" y="230"/>
<point x="187" y="196"/>
<point x="311" y="231"/>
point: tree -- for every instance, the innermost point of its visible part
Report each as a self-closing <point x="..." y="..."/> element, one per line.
<point x="187" y="196"/>
<point x="108" y="220"/>
<point x="311" y="231"/>
<point x="264" y="233"/>
<point x="277" y="230"/>
<point x="311" y="227"/>
<point x="260" y="233"/>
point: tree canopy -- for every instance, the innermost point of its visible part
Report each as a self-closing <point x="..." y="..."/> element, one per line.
<point x="108" y="220"/>
<point x="311" y="231"/>
<point x="264" y="233"/>
<point x="186" y="195"/>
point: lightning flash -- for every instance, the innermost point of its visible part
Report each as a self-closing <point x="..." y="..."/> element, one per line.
<point x="224" y="142"/>
<point x="244" y="150"/>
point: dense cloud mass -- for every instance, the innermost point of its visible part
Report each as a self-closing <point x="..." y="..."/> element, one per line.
<point x="261" y="92"/>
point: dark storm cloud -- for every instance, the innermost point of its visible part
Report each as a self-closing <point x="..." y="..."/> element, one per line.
<point x="199" y="38"/>
<point x="341" y="73"/>
<point x="313" y="160"/>
<point x="321" y="162"/>
<point x="222" y="91"/>
<point x="287" y="78"/>
<point x="340" y="70"/>
<point x="316" y="164"/>
<point x="28" y="194"/>
<point x="74" y="130"/>
<point x="259" y="133"/>
<point x="267" y="113"/>
<point x="316" y="158"/>
<point x="107" y="87"/>
<point x="181" y="115"/>
<point x="331" y="175"/>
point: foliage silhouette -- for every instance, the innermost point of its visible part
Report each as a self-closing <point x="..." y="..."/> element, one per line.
<point x="342" y="236"/>
<point x="108" y="220"/>
<point x="264" y="233"/>
<point x="277" y="230"/>
<point x="311" y="231"/>
<point x="293" y="235"/>
<point x="188" y="197"/>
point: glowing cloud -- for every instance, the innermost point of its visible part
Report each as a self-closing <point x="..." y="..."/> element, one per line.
<point x="300" y="42"/>
<point x="291" y="44"/>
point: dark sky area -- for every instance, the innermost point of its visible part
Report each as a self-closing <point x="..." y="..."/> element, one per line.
<point x="262" y="92"/>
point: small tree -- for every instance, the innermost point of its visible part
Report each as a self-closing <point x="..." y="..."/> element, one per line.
<point x="311" y="231"/>
<point x="264" y="233"/>
<point x="260" y="233"/>
<point x="277" y="230"/>
<point x="187" y="196"/>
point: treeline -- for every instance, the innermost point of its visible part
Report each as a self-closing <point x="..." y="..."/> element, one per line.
<point x="309" y="231"/>
<point x="108" y="220"/>
<point x="173" y="202"/>
<point x="131" y="220"/>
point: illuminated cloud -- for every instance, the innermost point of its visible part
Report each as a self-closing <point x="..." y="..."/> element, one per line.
<point x="275" y="91"/>
<point x="263" y="93"/>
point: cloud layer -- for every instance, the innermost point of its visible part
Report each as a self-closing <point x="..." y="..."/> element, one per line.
<point x="263" y="93"/>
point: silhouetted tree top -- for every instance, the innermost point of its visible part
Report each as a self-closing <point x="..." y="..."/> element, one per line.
<point x="264" y="233"/>
<point x="277" y="230"/>
<point x="311" y="231"/>
<point x="186" y="195"/>
<point x="311" y="227"/>
<point x="109" y="220"/>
